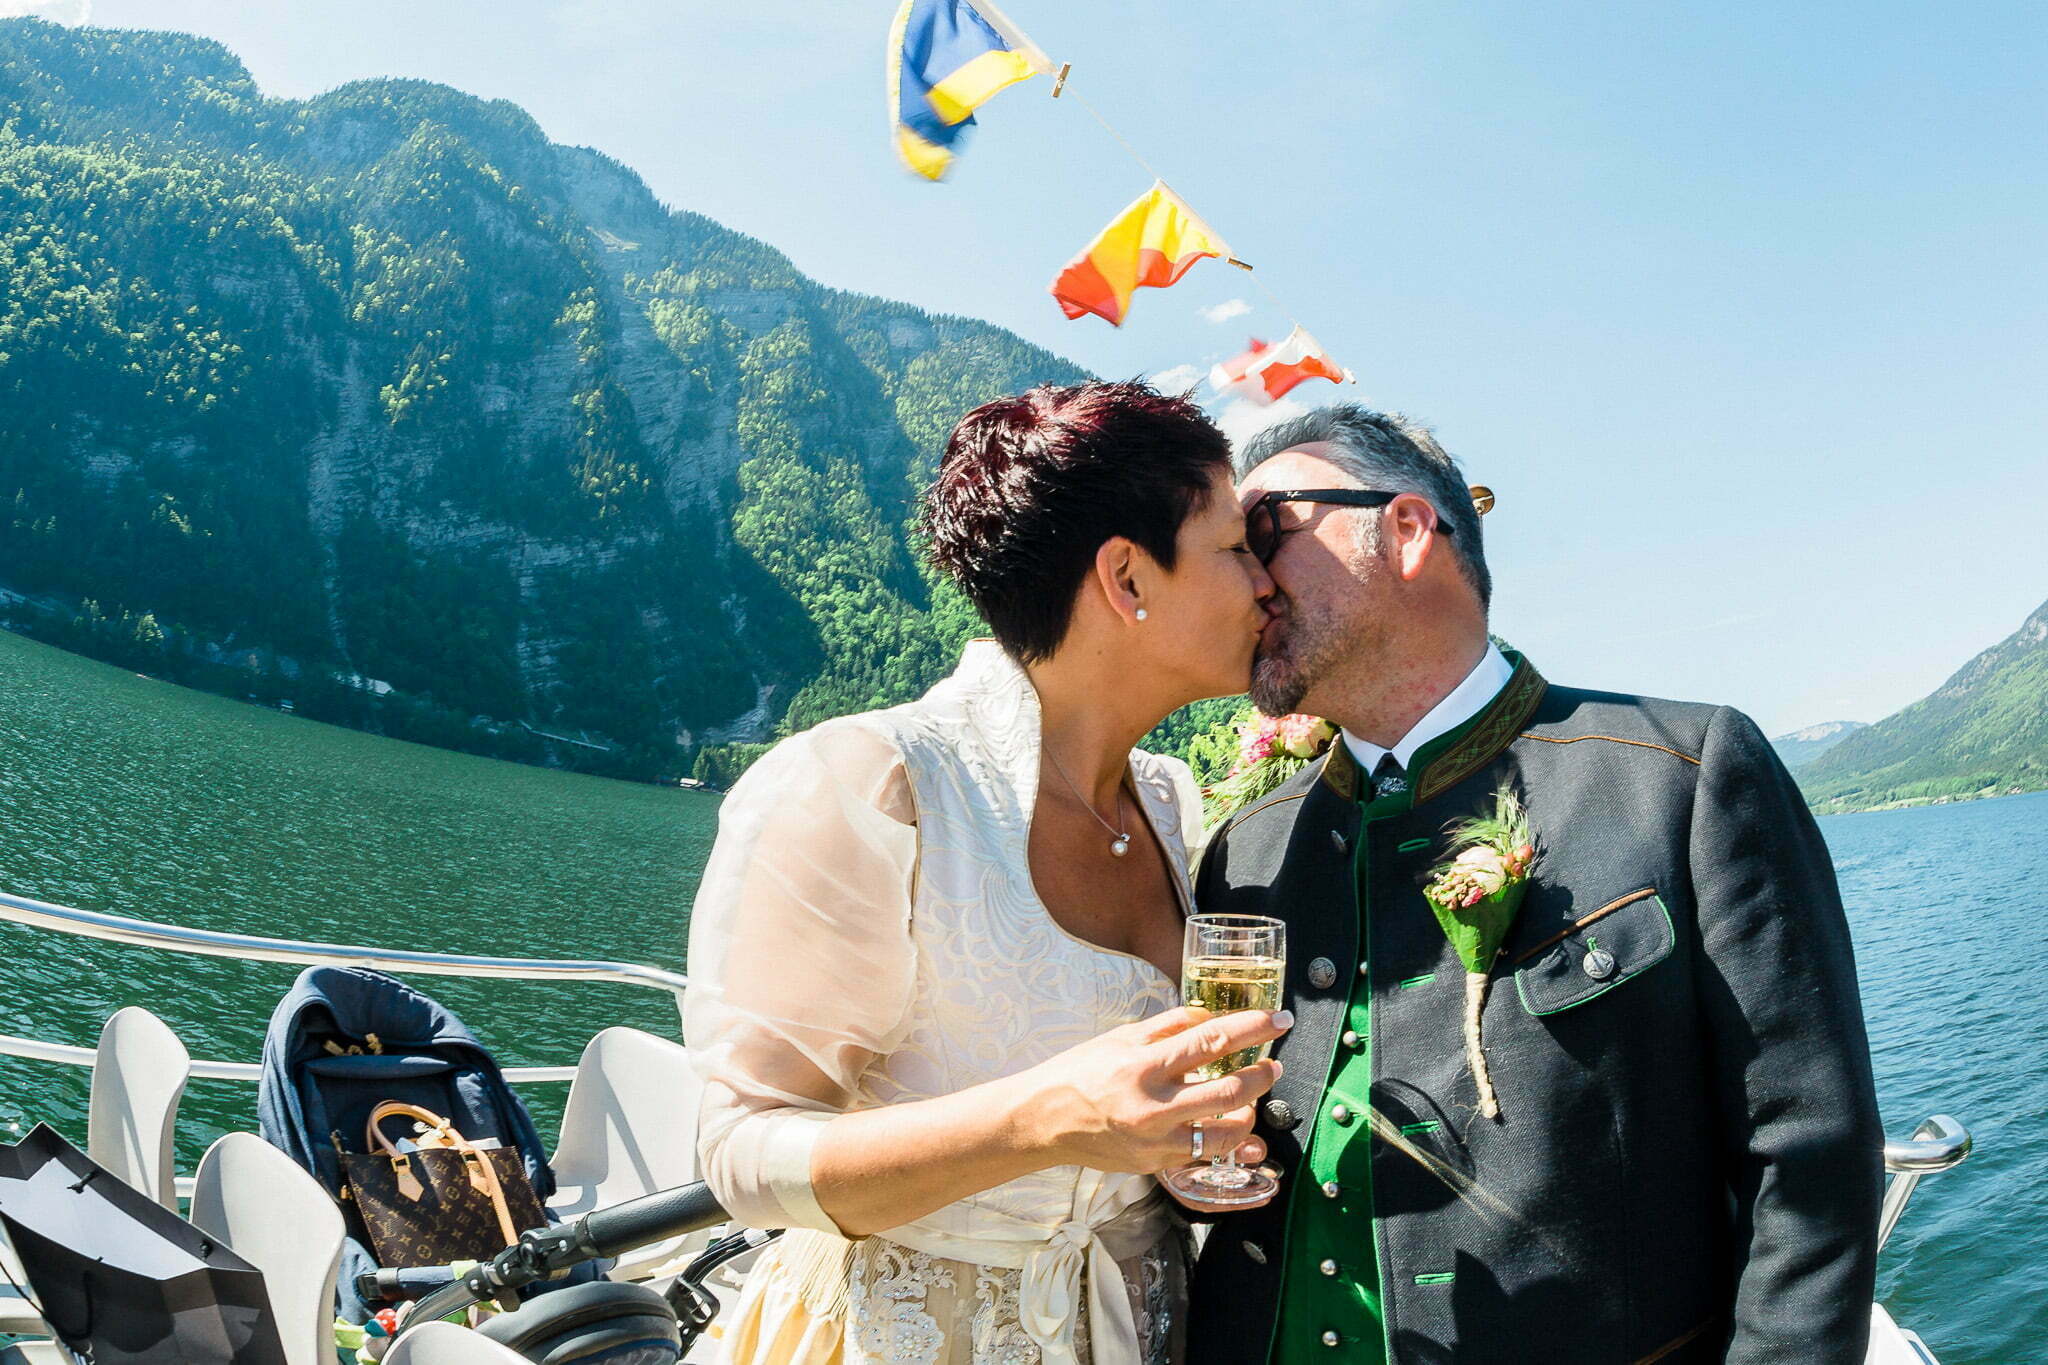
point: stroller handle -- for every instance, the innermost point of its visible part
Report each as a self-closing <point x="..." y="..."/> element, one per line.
<point x="652" y="1218"/>
<point x="542" y="1252"/>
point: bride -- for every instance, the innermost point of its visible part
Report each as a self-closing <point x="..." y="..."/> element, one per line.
<point x="934" y="957"/>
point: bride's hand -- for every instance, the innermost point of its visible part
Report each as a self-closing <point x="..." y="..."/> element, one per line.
<point x="1120" y="1102"/>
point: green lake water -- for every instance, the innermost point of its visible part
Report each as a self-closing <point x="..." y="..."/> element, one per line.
<point x="123" y="794"/>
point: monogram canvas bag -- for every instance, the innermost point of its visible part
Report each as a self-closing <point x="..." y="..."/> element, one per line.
<point x="448" y="1200"/>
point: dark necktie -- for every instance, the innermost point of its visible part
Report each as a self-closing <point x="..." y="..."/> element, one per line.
<point x="1388" y="779"/>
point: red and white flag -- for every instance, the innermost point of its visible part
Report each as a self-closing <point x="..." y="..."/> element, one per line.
<point x="1265" y="374"/>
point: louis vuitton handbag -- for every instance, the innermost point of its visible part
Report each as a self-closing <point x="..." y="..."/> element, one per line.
<point x="445" y="1200"/>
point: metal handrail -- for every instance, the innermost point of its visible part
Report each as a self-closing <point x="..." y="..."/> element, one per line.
<point x="66" y="919"/>
<point x="1940" y="1143"/>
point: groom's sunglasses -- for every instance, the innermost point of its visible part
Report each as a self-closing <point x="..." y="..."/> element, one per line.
<point x="1262" y="531"/>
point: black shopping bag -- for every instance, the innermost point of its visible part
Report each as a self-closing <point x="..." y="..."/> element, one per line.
<point x="118" y="1277"/>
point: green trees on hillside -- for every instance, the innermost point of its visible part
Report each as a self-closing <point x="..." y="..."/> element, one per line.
<point x="384" y="385"/>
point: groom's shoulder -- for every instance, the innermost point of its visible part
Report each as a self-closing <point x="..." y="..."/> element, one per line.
<point x="1628" y="728"/>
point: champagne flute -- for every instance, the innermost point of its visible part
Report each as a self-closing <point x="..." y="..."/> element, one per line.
<point x="1230" y="962"/>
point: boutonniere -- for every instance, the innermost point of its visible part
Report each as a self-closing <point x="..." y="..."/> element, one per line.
<point x="1270" y="749"/>
<point x="1475" y="894"/>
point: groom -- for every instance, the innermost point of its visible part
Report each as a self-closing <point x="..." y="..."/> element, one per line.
<point x="1686" y="1163"/>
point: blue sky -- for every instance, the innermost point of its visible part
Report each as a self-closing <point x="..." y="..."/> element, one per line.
<point x="1739" y="307"/>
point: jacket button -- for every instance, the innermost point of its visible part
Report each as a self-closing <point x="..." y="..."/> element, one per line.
<point x="1332" y="1339"/>
<point x="1331" y="1189"/>
<point x="1363" y="969"/>
<point x="1351" y="1038"/>
<point x="1598" y="964"/>
<point x="1281" y="1114"/>
<point x="1255" y="1252"/>
<point x="1322" y="973"/>
<point x="1339" y="842"/>
<point x="1341" y="1114"/>
<point x="1328" y="1267"/>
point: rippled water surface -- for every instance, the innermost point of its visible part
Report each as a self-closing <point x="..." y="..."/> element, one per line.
<point x="122" y="794"/>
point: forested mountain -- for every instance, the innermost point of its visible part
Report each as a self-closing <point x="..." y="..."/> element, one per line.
<point x="1984" y="732"/>
<point x="382" y="403"/>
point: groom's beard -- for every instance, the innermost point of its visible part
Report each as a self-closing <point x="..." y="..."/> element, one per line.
<point x="1306" y="651"/>
<point x="1349" y="644"/>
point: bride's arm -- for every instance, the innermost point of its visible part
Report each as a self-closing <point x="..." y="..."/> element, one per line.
<point x="802" y="972"/>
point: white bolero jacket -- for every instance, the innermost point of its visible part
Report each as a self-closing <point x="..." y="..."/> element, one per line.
<point x="867" y="933"/>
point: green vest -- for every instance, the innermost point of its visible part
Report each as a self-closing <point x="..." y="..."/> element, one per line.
<point x="1330" y="1289"/>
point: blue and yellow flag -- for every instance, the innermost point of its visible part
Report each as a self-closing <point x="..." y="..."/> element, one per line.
<point x="947" y="58"/>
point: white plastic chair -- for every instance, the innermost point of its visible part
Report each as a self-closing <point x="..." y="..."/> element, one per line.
<point x="138" y="1078"/>
<point x="277" y="1218"/>
<point x="630" y="1128"/>
<point x="443" y="1343"/>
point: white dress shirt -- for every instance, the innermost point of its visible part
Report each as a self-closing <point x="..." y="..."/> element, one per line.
<point x="1463" y="702"/>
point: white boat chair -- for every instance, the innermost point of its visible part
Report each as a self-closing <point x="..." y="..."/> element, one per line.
<point x="277" y="1218"/>
<point x="138" y="1078"/>
<point x="443" y="1343"/>
<point x="629" y="1128"/>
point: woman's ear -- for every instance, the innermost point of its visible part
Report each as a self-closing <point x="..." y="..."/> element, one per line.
<point x="1118" y="571"/>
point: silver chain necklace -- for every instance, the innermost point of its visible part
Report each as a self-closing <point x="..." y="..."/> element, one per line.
<point x="1119" y="840"/>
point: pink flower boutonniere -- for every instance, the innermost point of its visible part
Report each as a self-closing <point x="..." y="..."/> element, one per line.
<point x="1475" y="894"/>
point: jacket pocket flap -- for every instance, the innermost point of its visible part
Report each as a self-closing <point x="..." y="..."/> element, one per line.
<point x="1620" y="940"/>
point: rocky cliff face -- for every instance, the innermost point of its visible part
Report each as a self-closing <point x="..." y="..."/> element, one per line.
<point x="387" y="384"/>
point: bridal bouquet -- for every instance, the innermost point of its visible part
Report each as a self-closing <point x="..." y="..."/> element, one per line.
<point x="1475" y="895"/>
<point x="1270" y="749"/>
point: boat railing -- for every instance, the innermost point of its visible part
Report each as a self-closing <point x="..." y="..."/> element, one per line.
<point x="174" y="938"/>
<point x="1938" y="1144"/>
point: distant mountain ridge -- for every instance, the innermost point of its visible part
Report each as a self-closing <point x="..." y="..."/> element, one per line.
<point x="1810" y="742"/>
<point x="1984" y="732"/>
<point x="301" y="399"/>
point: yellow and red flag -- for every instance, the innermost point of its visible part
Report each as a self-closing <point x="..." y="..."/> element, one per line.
<point x="1153" y="242"/>
<point x="1266" y="374"/>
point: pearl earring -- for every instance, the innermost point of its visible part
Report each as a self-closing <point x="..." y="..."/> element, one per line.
<point x="1141" y="613"/>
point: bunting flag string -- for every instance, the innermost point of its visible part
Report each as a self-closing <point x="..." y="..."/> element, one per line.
<point x="947" y="58"/>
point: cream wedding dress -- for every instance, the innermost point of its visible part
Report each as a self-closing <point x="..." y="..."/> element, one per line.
<point x="867" y="933"/>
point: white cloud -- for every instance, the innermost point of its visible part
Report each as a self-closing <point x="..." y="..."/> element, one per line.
<point x="56" y="11"/>
<point x="1226" y="310"/>
<point x="1242" y="419"/>
<point x="1179" y="379"/>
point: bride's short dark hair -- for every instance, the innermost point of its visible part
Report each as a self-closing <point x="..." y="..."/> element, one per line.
<point x="1032" y="485"/>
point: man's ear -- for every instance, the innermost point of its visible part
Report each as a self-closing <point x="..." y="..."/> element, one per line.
<point x="1412" y="528"/>
<point x="1119" y="567"/>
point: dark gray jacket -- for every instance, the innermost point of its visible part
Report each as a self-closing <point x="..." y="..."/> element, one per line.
<point x="1688" y="1160"/>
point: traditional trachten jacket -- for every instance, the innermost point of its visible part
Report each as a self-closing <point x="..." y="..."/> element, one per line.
<point x="1687" y="1164"/>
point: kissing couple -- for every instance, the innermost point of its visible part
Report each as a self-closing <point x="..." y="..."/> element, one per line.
<point x="935" y="957"/>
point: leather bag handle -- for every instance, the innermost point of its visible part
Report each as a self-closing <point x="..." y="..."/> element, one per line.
<point x="483" y="1176"/>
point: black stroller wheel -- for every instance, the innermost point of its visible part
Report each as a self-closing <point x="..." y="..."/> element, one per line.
<point x="617" y="1324"/>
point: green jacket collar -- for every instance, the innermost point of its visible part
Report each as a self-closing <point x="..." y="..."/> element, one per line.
<point x="1452" y="757"/>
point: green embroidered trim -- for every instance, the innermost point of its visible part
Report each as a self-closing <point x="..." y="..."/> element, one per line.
<point x="1488" y="736"/>
<point x="1418" y="981"/>
<point x="1410" y="845"/>
<point x="1440" y="1277"/>
<point x="1426" y="1126"/>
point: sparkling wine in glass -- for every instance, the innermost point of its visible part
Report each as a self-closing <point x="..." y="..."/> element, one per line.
<point x="1228" y="963"/>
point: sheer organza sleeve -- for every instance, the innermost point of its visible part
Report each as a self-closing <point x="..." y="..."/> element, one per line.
<point x="801" y="963"/>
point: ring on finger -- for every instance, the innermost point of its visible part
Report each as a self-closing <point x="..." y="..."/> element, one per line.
<point x="1195" y="1141"/>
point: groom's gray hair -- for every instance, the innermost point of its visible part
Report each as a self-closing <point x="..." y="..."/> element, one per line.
<point x="1396" y="454"/>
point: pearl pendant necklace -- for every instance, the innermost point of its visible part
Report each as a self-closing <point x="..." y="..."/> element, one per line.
<point x="1119" y="840"/>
